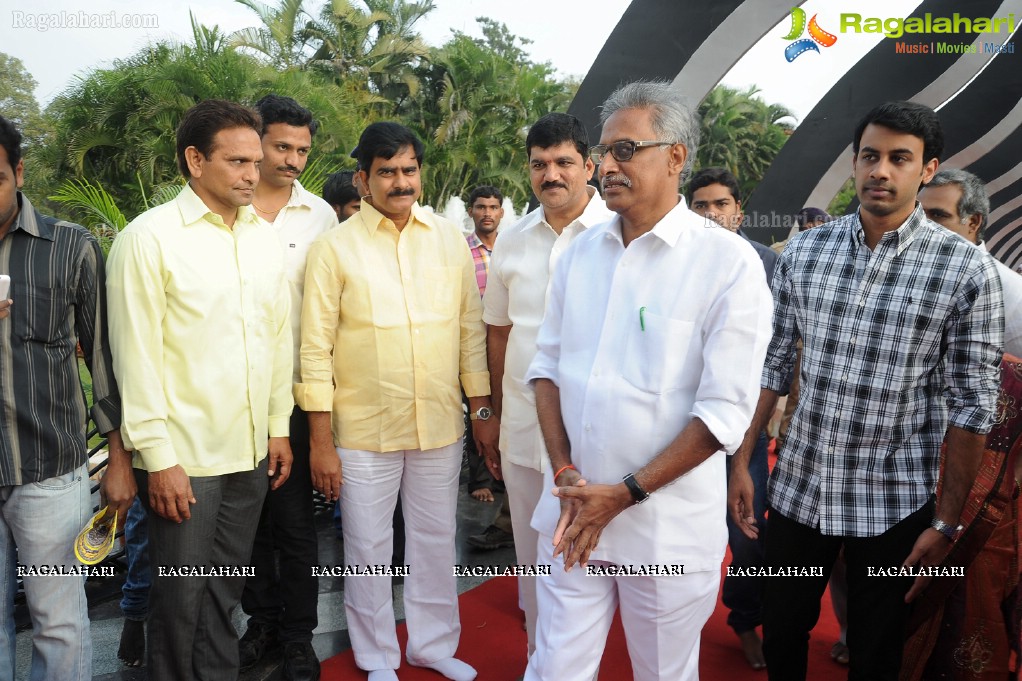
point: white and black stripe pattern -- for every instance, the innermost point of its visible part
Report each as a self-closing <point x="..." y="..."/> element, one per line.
<point x="899" y="343"/>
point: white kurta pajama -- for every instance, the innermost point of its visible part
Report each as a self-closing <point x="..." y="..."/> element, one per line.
<point x="640" y="341"/>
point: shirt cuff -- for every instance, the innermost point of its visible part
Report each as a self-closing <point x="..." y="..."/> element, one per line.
<point x="158" y="458"/>
<point x="107" y="415"/>
<point x="476" y="384"/>
<point x="778" y="381"/>
<point x="279" y="425"/>
<point x="729" y="436"/>
<point x="314" y="396"/>
<point x="496" y="320"/>
<point x="973" y="419"/>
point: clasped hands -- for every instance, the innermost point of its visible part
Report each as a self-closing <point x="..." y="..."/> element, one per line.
<point x="585" y="510"/>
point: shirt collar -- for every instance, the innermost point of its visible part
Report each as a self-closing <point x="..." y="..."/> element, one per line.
<point x="594" y="213"/>
<point x="670" y="226"/>
<point x="900" y="238"/>
<point x="194" y="210"/>
<point x="475" y="242"/>
<point x="28" y="222"/>
<point x="372" y="218"/>
<point x="300" y="197"/>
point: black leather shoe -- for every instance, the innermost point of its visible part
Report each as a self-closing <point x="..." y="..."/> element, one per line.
<point x="300" y="662"/>
<point x="258" y="642"/>
<point x="492" y="538"/>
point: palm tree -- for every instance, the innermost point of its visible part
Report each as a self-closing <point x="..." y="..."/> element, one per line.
<point x="741" y="132"/>
<point x="283" y="37"/>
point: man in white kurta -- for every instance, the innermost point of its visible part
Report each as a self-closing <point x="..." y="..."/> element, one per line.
<point x="520" y="268"/>
<point x="646" y="374"/>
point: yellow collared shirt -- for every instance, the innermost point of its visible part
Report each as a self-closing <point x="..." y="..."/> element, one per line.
<point x="390" y="321"/>
<point x="201" y="337"/>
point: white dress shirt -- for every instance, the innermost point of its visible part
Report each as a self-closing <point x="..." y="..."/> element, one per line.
<point x="303" y="218"/>
<point x="521" y="265"/>
<point x="1011" y="288"/>
<point x="640" y="341"/>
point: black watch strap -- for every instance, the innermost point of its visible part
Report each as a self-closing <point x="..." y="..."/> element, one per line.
<point x="638" y="494"/>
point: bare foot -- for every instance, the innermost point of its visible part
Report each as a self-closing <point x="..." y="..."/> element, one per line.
<point x="483" y="494"/>
<point x="752" y="647"/>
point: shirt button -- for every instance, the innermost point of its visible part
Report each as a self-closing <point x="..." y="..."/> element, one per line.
<point x="589" y="427"/>
<point x="596" y="373"/>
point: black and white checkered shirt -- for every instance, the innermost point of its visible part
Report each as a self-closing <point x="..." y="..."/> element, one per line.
<point x="898" y="343"/>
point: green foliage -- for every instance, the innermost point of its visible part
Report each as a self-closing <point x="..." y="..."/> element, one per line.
<point x="471" y="100"/>
<point x="839" y="205"/>
<point x="742" y="133"/>
<point x="102" y="216"/>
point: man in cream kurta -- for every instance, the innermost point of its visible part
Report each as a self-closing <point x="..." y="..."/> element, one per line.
<point x="391" y="322"/>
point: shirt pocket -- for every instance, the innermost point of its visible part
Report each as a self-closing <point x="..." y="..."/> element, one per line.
<point x="45" y="314"/>
<point x="442" y="290"/>
<point x="656" y="353"/>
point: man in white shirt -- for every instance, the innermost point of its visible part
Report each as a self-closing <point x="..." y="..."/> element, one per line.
<point x="646" y="374"/>
<point x="280" y="599"/>
<point x="956" y="199"/>
<point x="522" y="263"/>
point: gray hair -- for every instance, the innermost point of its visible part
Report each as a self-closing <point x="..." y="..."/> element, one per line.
<point x="974" y="199"/>
<point x="672" y="119"/>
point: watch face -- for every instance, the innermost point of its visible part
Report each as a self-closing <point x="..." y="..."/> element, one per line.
<point x="483" y="413"/>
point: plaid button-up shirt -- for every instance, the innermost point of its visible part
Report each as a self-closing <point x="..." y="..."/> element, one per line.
<point x="481" y="258"/>
<point x="898" y="343"/>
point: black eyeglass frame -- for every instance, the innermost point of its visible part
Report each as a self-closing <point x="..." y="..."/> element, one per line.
<point x="623" y="150"/>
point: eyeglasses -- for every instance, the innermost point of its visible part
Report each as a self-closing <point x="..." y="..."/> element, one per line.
<point x="623" y="150"/>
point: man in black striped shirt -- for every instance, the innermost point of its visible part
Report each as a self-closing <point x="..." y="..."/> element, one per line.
<point x="58" y="294"/>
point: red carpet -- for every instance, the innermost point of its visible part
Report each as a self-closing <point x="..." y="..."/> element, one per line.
<point x="493" y="641"/>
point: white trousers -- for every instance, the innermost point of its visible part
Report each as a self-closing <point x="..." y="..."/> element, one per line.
<point x="662" y="617"/>
<point x="428" y="484"/>
<point x="524" y="485"/>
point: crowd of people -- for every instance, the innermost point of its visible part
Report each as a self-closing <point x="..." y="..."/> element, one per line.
<point x="615" y="358"/>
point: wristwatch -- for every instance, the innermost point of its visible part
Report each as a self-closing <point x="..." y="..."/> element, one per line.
<point x="639" y="495"/>
<point x="946" y="529"/>
<point x="482" y="414"/>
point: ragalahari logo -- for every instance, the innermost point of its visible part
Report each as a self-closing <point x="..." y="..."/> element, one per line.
<point x="798" y="25"/>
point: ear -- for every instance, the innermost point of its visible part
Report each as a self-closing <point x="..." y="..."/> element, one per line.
<point x="741" y="215"/>
<point x="972" y="225"/>
<point x="929" y="170"/>
<point x="361" y="182"/>
<point x="677" y="155"/>
<point x="19" y="173"/>
<point x="194" y="159"/>
<point x="590" y="168"/>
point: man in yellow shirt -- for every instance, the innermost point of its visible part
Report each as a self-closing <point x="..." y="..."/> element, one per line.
<point x="201" y="342"/>
<point x="391" y="320"/>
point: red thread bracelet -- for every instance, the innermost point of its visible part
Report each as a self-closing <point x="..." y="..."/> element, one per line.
<point x="564" y="469"/>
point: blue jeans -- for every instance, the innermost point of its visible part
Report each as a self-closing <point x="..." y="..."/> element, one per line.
<point x="743" y="595"/>
<point x="38" y="525"/>
<point x="135" y="592"/>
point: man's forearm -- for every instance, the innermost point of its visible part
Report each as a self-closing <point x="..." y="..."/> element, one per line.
<point x="764" y="410"/>
<point x="496" y="353"/>
<point x="961" y="461"/>
<point x="548" y="411"/>
<point x="319" y="429"/>
<point x="693" y="445"/>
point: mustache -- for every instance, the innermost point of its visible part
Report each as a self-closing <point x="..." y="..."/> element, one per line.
<point x="553" y="185"/>
<point x="616" y="179"/>
<point x="880" y="185"/>
<point x="401" y="191"/>
<point x="286" y="168"/>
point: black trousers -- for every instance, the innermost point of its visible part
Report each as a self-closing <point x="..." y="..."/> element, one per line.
<point x="191" y="635"/>
<point x="877" y="613"/>
<point x="283" y="593"/>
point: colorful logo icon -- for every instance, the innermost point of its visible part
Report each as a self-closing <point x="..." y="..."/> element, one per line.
<point x="798" y="26"/>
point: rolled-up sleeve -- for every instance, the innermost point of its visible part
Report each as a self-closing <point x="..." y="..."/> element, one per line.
<point x="321" y="307"/>
<point x="735" y="334"/>
<point x="137" y="308"/>
<point x="975" y="341"/>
